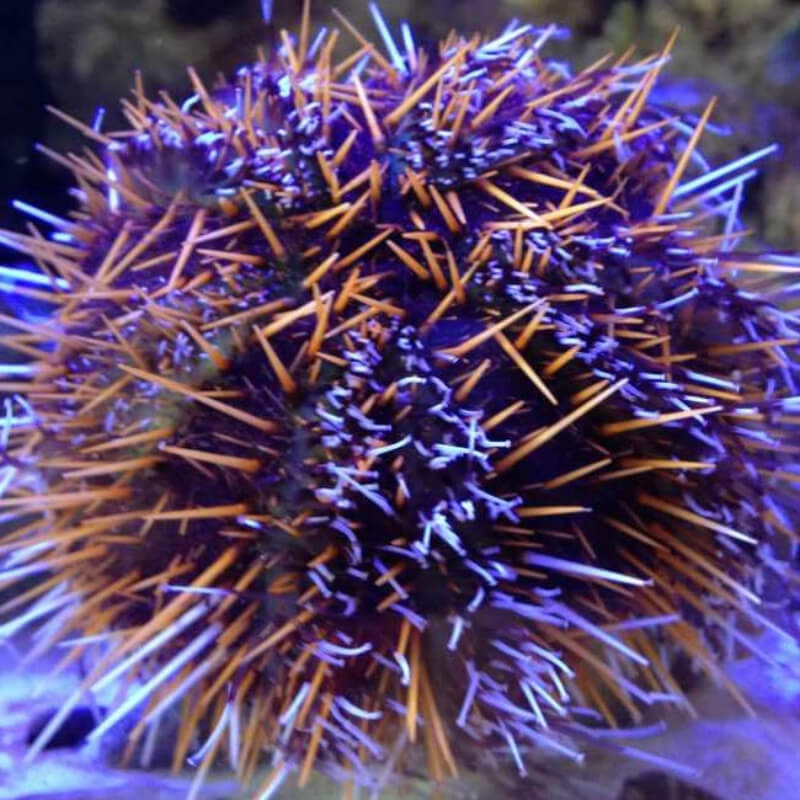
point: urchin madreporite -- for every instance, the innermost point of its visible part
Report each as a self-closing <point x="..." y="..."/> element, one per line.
<point x="419" y="396"/>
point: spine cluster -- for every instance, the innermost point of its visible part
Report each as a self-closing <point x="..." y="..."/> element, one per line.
<point x="416" y="396"/>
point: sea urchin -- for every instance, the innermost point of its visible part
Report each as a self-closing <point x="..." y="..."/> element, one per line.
<point x="413" y="396"/>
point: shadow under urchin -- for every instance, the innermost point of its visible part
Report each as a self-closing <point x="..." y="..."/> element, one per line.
<point x="420" y="396"/>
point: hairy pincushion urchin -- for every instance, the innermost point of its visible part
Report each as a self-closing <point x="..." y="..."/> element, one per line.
<point x="407" y="397"/>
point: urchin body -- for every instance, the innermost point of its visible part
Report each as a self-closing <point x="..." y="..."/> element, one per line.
<point x="403" y="398"/>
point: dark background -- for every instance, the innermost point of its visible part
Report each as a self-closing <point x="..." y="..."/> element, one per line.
<point x="81" y="54"/>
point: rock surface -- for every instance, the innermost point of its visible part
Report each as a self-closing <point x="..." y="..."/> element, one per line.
<point x="735" y="756"/>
